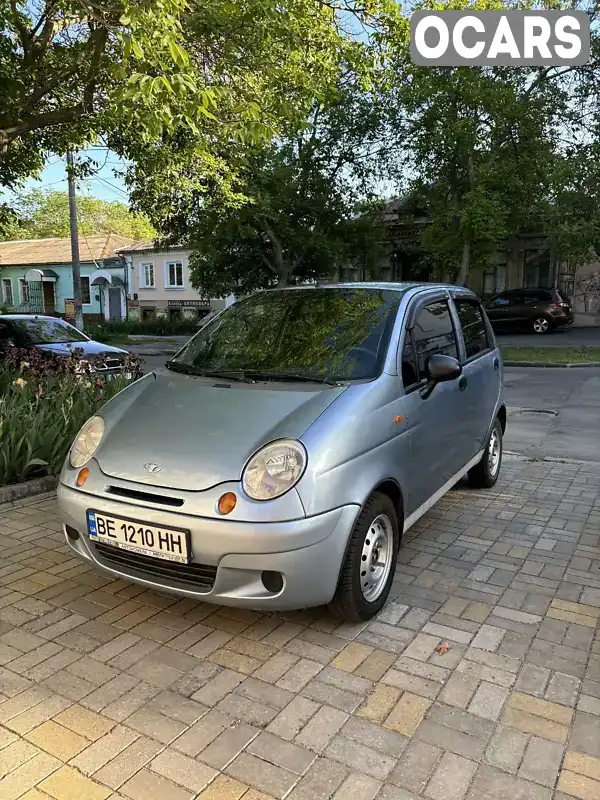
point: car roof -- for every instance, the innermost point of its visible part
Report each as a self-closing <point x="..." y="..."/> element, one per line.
<point x="30" y="316"/>
<point x="377" y="286"/>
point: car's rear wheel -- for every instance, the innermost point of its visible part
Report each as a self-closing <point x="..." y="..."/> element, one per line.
<point x="368" y="570"/>
<point x="541" y="325"/>
<point x="485" y="474"/>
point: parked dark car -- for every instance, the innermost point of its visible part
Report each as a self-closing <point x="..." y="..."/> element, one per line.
<point x="539" y="310"/>
<point x="56" y="337"/>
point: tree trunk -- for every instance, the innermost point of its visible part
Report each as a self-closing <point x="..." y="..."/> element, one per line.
<point x="465" y="264"/>
<point x="281" y="267"/>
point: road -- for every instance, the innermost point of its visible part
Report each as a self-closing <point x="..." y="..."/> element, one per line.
<point x="571" y="337"/>
<point x="572" y="428"/>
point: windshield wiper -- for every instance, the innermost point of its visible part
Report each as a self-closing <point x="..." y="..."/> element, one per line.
<point x="289" y="376"/>
<point x="186" y="369"/>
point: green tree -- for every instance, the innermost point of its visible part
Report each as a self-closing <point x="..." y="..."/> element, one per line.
<point x="297" y="219"/>
<point x="484" y="147"/>
<point x="177" y="87"/>
<point x="44" y="214"/>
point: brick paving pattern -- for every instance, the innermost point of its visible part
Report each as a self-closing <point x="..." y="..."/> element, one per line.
<point x="108" y="690"/>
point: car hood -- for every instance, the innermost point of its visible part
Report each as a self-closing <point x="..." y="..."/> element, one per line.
<point x="89" y="348"/>
<point x="200" y="434"/>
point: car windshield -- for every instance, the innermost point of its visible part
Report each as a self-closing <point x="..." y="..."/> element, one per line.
<point x="331" y="334"/>
<point x="48" y="331"/>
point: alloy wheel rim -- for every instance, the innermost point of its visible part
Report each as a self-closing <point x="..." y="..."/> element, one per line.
<point x="540" y="325"/>
<point x="494" y="453"/>
<point x="376" y="558"/>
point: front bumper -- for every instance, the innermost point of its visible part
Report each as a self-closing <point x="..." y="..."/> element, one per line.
<point x="235" y="553"/>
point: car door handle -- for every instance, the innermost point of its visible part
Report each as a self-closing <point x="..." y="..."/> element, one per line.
<point x="496" y="364"/>
<point x="462" y="384"/>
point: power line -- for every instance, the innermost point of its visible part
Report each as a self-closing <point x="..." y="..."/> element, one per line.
<point x="110" y="186"/>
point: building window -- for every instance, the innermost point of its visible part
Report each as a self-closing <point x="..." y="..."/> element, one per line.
<point x="24" y="290"/>
<point x="537" y="273"/>
<point x="85" y="291"/>
<point x="174" y="275"/>
<point x="147" y="279"/>
<point x="7" y="292"/>
<point x="494" y="279"/>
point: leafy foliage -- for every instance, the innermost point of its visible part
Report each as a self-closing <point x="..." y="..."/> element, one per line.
<point x="42" y="214"/>
<point x="177" y="87"/>
<point x="485" y="148"/>
<point x="298" y="220"/>
<point x="119" y="331"/>
<point x="43" y="403"/>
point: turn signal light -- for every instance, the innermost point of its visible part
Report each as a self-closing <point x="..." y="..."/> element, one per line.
<point x="83" y="476"/>
<point x="227" y="503"/>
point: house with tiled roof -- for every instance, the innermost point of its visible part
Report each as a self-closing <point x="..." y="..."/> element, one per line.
<point x="36" y="276"/>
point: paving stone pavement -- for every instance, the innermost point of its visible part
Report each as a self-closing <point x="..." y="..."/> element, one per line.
<point x="111" y="691"/>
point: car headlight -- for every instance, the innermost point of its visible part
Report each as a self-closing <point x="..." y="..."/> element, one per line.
<point x="86" y="442"/>
<point x="274" y="470"/>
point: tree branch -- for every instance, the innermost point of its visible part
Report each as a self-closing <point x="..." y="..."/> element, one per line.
<point x="22" y="30"/>
<point x="59" y="116"/>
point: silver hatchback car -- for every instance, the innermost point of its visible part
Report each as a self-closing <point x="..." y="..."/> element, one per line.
<point x="278" y="458"/>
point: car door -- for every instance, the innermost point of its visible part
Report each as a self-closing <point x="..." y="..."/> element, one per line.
<point x="436" y="452"/>
<point x="482" y="373"/>
<point x="498" y="309"/>
<point x="519" y="308"/>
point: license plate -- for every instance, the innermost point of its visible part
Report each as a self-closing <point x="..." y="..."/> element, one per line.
<point x="169" y="544"/>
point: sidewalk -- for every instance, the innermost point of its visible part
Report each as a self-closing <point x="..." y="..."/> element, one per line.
<point x="111" y="691"/>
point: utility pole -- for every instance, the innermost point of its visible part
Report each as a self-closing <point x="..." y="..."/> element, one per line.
<point x="74" y="242"/>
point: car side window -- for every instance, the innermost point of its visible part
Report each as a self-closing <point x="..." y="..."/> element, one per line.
<point x="473" y="327"/>
<point x="410" y="368"/>
<point x="433" y="333"/>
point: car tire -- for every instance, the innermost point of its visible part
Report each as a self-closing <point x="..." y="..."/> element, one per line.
<point x="541" y="325"/>
<point x="485" y="474"/>
<point x="361" y="592"/>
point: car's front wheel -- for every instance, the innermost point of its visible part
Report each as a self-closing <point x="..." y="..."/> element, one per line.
<point x="368" y="569"/>
<point x="485" y="474"/>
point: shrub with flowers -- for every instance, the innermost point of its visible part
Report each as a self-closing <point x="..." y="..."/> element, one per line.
<point x="44" y="401"/>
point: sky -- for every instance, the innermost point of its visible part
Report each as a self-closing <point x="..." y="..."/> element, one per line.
<point x="105" y="185"/>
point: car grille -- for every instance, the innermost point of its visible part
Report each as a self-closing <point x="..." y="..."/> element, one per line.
<point x="109" y="363"/>
<point x="188" y="575"/>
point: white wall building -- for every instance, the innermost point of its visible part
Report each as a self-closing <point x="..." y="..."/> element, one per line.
<point x="160" y="286"/>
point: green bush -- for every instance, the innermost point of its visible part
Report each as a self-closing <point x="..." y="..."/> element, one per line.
<point x="118" y="331"/>
<point x="43" y="403"/>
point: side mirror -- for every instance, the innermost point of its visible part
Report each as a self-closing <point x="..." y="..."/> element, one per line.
<point x="440" y="369"/>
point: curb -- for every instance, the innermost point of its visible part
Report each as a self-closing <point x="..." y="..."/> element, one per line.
<point x="512" y="455"/>
<point x="20" y="491"/>
<point x="550" y="365"/>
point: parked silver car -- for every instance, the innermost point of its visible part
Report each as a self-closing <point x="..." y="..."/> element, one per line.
<point x="277" y="460"/>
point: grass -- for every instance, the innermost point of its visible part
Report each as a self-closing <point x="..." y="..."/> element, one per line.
<point x="552" y="355"/>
